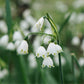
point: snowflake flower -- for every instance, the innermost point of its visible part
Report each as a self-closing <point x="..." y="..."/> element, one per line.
<point x="47" y="62"/>
<point x="23" y="48"/>
<point x="41" y="52"/>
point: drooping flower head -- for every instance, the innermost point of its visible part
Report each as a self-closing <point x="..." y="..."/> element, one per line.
<point x="23" y="48"/>
<point x="11" y="46"/>
<point x="47" y="62"/>
<point x="53" y="49"/>
<point x="38" y="25"/>
<point x="17" y="36"/>
<point x="4" y="41"/>
<point x="41" y="52"/>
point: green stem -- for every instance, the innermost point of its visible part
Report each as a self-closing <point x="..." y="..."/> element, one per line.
<point x="60" y="67"/>
<point x="75" y="59"/>
<point x="39" y="33"/>
<point x="43" y="76"/>
<point x="55" y="32"/>
<point x="73" y="71"/>
<point x="21" y="69"/>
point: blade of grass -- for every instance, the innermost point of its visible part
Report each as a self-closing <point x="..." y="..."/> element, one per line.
<point x="65" y="22"/>
<point x="53" y="26"/>
<point x="9" y="18"/>
<point x="20" y="66"/>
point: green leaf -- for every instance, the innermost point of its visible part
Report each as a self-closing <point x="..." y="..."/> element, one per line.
<point x="65" y="22"/>
<point x="8" y="18"/>
<point x="21" y="70"/>
<point x="54" y="27"/>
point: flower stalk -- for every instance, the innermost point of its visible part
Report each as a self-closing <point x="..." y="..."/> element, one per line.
<point x="60" y="67"/>
<point x="73" y="71"/>
<point x="39" y="33"/>
<point x="55" y="32"/>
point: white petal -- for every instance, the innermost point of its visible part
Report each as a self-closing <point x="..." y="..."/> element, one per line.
<point x="32" y="61"/>
<point x="41" y="52"/>
<point x="17" y="36"/>
<point x="81" y="61"/>
<point x="11" y="46"/>
<point x="75" y="41"/>
<point x="23" y="48"/>
<point x="58" y="48"/>
<point x="4" y="40"/>
<point x="3" y="27"/>
<point x="38" y="25"/>
<point x="51" y="49"/>
<point x="47" y="62"/>
<point x="17" y="43"/>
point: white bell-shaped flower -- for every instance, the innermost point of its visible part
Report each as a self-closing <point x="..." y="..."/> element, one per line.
<point x="41" y="52"/>
<point x="58" y="48"/>
<point x="17" y="36"/>
<point x="46" y="39"/>
<point x="52" y="49"/>
<point x="23" y="48"/>
<point x="39" y="24"/>
<point x="17" y="43"/>
<point x="10" y="46"/>
<point x="32" y="61"/>
<point x="4" y="40"/>
<point x="75" y="41"/>
<point x="24" y="25"/>
<point x="30" y="20"/>
<point x="36" y="43"/>
<point x="47" y="62"/>
<point x="26" y="13"/>
<point x="81" y="61"/>
<point x="3" y="73"/>
<point x="48" y="31"/>
<point x="3" y="27"/>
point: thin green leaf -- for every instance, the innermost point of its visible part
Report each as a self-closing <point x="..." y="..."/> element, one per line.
<point x="65" y="22"/>
<point x="54" y="27"/>
<point x="8" y="17"/>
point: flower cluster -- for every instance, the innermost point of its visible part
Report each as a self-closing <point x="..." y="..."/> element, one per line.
<point x="20" y="45"/>
<point x="53" y="49"/>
